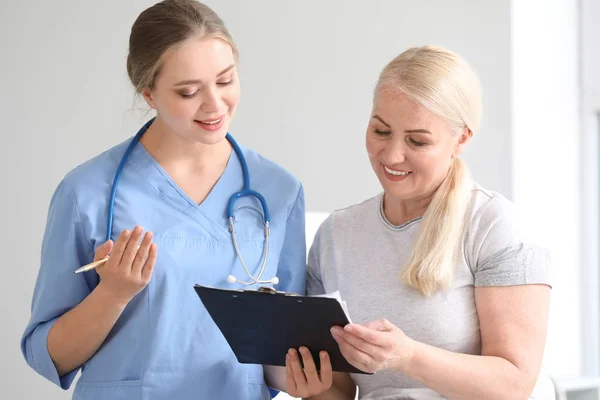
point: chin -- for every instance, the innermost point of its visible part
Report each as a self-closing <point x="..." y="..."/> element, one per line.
<point x="208" y="137"/>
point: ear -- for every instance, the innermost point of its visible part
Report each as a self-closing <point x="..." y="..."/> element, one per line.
<point x="147" y="94"/>
<point x="464" y="137"/>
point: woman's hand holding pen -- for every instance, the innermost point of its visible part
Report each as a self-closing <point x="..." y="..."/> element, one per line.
<point x="129" y="266"/>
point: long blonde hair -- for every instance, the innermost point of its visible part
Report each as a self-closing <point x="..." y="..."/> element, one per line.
<point x="446" y="85"/>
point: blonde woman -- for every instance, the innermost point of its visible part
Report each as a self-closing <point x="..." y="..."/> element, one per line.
<point x="449" y="297"/>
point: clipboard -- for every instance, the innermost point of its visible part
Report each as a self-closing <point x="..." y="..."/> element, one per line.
<point x="261" y="326"/>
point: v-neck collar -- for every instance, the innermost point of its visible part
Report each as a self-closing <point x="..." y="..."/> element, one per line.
<point x="214" y="207"/>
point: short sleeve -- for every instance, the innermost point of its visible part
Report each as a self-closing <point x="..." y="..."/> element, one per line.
<point x="314" y="281"/>
<point x="501" y="250"/>
<point x="57" y="288"/>
<point x="292" y="259"/>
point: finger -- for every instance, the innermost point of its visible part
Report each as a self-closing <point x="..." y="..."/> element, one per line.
<point x="289" y="373"/>
<point x="381" y="325"/>
<point x="368" y="335"/>
<point x="310" y="369"/>
<point x="131" y="249"/>
<point x="326" y="370"/>
<point x="142" y="254"/>
<point x="103" y="250"/>
<point x="354" y="356"/>
<point x="299" y="376"/>
<point x="373" y="350"/>
<point x="150" y="261"/>
<point x="119" y="247"/>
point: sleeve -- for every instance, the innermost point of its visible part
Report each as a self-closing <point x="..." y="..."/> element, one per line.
<point x="502" y="253"/>
<point x="292" y="259"/>
<point x="57" y="288"/>
<point x="314" y="280"/>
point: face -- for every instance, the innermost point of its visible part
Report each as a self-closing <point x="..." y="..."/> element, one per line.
<point x="410" y="148"/>
<point x="197" y="91"/>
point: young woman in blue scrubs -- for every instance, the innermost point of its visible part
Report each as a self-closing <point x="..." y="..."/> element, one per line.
<point x="135" y="327"/>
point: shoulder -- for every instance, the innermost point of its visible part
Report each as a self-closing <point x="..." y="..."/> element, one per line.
<point x="267" y="172"/>
<point x="496" y="223"/>
<point x="348" y="220"/>
<point x="492" y="214"/>
<point x="488" y="205"/>
<point x="94" y="176"/>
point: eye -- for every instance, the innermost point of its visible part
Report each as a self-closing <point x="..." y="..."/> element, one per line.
<point x="382" y="133"/>
<point x="225" y="83"/>
<point x="416" y="143"/>
<point x="189" y="95"/>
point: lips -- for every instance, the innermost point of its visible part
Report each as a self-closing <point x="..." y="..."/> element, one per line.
<point x="395" y="172"/>
<point x="211" y="124"/>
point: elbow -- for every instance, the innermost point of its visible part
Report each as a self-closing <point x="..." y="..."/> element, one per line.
<point x="523" y="385"/>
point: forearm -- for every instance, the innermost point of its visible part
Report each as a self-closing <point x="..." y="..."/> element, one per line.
<point x="464" y="377"/>
<point x="333" y="393"/>
<point x="343" y="388"/>
<point x="79" y="333"/>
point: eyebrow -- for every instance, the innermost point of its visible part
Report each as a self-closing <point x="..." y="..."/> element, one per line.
<point x="197" y="81"/>
<point x="418" y="131"/>
<point x="378" y="118"/>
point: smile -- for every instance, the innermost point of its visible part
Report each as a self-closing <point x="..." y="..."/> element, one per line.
<point x="394" y="172"/>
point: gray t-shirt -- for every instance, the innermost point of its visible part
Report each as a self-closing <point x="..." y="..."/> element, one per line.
<point x="360" y="253"/>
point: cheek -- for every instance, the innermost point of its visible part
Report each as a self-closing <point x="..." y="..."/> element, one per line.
<point x="181" y="108"/>
<point x="373" y="146"/>
<point x="231" y="97"/>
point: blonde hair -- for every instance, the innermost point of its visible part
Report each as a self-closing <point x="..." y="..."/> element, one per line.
<point x="445" y="84"/>
<point x="164" y="26"/>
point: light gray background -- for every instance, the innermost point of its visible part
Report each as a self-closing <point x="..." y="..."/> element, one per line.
<point x="307" y="69"/>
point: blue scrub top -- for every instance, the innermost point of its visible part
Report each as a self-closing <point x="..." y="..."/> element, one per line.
<point x="165" y="345"/>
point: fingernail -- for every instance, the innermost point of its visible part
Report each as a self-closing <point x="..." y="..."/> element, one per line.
<point x="323" y="355"/>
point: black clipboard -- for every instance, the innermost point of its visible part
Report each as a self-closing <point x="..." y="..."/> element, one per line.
<point x="261" y="326"/>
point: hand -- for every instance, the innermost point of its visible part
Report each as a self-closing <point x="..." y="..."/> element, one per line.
<point x="129" y="268"/>
<point x="307" y="382"/>
<point x="375" y="346"/>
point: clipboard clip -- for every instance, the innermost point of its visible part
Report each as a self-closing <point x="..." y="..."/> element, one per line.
<point x="270" y="290"/>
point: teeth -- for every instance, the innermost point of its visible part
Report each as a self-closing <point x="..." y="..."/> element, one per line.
<point x="212" y="122"/>
<point x="397" y="173"/>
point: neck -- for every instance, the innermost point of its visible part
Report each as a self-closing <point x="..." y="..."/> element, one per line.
<point x="399" y="211"/>
<point x="175" y="152"/>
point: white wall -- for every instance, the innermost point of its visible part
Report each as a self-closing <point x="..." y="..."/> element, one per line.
<point x="546" y="150"/>
<point x="308" y="68"/>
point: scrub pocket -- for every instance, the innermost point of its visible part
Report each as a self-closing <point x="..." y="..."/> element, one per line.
<point x="116" y="390"/>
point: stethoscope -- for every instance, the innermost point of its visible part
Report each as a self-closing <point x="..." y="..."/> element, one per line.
<point x="246" y="191"/>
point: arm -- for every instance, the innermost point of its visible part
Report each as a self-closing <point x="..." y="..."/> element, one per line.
<point x="292" y="258"/>
<point x="291" y="272"/>
<point x="67" y="308"/>
<point x="512" y="298"/>
<point x="327" y="385"/>
<point x="343" y="388"/>
<point x="513" y="324"/>
<point x="80" y="332"/>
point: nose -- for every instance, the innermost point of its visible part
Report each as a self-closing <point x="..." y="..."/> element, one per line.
<point x="211" y="101"/>
<point x="394" y="151"/>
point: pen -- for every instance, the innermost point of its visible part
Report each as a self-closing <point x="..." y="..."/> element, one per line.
<point x="92" y="265"/>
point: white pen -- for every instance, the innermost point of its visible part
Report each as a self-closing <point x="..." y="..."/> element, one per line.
<point x="92" y="265"/>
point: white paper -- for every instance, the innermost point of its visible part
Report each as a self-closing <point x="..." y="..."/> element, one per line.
<point x="336" y="295"/>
